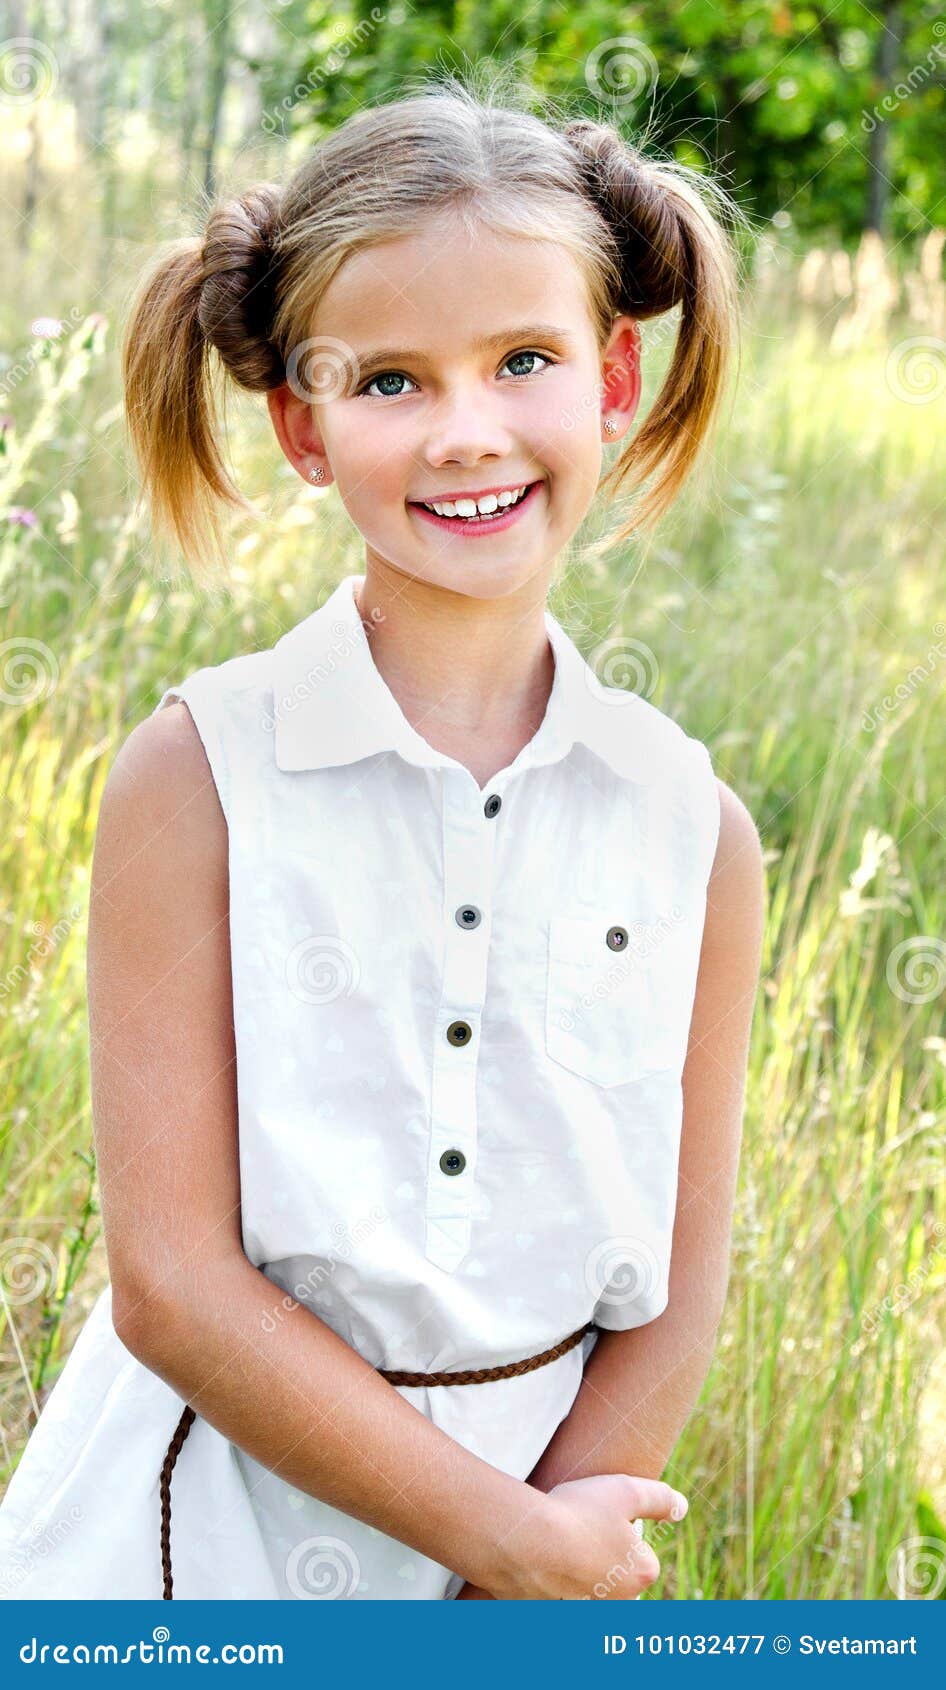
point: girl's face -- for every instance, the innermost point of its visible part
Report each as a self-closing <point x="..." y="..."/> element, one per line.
<point x="475" y="370"/>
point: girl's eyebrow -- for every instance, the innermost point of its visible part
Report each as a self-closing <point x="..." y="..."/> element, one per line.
<point x="482" y="343"/>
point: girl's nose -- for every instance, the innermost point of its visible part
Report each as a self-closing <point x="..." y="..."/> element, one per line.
<point x="466" y="425"/>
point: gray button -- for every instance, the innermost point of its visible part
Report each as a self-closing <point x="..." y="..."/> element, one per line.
<point x="468" y="916"/>
<point x="459" y="1032"/>
<point x="453" y="1161"/>
<point x="492" y="805"/>
<point x="617" y="938"/>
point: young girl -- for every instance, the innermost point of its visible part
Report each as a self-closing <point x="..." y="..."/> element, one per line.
<point x="421" y="962"/>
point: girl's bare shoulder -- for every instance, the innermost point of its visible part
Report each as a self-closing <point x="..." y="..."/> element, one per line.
<point x="160" y="799"/>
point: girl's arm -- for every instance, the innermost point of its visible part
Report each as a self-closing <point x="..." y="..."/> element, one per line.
<point x="261" y="1368"/>
<point x="640" y="1386"/>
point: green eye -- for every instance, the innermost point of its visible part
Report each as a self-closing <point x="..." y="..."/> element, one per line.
<point x="514" y="355"/>
<point x="385" y="375"/>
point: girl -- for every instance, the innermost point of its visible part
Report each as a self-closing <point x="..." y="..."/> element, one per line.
<point x="421" y="962"/>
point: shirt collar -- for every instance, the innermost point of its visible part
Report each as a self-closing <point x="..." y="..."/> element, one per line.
<point x="331" y="705"/>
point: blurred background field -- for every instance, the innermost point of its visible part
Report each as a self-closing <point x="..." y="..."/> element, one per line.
<point x="790" y="612"/>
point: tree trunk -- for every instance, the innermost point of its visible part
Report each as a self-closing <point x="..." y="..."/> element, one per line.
<point x="886" y="61"/>
<point x="219" y="57"/>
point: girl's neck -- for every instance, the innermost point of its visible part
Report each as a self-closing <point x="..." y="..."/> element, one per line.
<point x="471" y="676"/>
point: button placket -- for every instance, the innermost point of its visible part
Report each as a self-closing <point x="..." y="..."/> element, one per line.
<point x="468" y="836"/>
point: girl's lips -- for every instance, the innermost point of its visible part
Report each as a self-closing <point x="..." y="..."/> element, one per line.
<point x="476" y="527"/>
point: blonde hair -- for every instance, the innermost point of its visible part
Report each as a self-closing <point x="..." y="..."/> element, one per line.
<point x="645" y="235"/>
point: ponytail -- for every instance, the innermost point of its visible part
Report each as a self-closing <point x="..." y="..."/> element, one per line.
<point x="211" y="291"/>
<point x="671" y="250"/>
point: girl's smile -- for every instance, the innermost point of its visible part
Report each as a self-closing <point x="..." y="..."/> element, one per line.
<point x="475" y="524"/>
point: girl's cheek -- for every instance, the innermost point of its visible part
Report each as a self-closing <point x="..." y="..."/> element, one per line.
<point x="374" y="465"/>
<point x="564" y="420"/>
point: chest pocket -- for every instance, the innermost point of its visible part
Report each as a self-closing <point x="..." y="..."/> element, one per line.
<point x="610" y="1012"/>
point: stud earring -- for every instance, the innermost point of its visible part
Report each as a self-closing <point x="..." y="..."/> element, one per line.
<point x="611" y="426"/>
<point x="317" y="474"/>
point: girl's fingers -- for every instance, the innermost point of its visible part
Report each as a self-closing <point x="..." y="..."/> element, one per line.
<point x="652" y="1499"/>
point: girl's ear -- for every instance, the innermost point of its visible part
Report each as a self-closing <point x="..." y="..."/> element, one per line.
<point x="293" y="418"/>
<point x="621" y="376"/>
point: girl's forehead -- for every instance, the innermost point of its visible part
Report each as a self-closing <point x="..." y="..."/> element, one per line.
<point x="431" y="281"/>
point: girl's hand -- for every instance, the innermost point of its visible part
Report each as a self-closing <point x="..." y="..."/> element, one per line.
<point x="587" y="1542"/>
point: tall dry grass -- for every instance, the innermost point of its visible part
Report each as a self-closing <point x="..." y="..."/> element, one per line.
<point x="790" y="613"/>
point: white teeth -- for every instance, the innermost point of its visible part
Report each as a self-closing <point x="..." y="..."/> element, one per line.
<point x="485" y="506"/>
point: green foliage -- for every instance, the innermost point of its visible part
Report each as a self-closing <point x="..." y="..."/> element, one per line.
<point x="775" y="99"/>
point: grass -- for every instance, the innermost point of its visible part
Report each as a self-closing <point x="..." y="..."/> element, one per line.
<point x="791" y="610"/>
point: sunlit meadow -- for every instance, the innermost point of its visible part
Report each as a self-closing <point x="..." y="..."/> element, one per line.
<point x="791" y="613"/>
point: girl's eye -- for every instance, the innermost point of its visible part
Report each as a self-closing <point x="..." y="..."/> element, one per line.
<point x="398" y="375"/>
<point x="513" y="356"/>
<point x="385" y="375"/>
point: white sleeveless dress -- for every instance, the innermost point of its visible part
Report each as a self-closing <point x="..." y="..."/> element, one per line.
<point x="461" y="1017"/>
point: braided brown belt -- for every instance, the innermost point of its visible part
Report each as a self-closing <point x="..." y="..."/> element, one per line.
<point x="396" y="1376"/>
